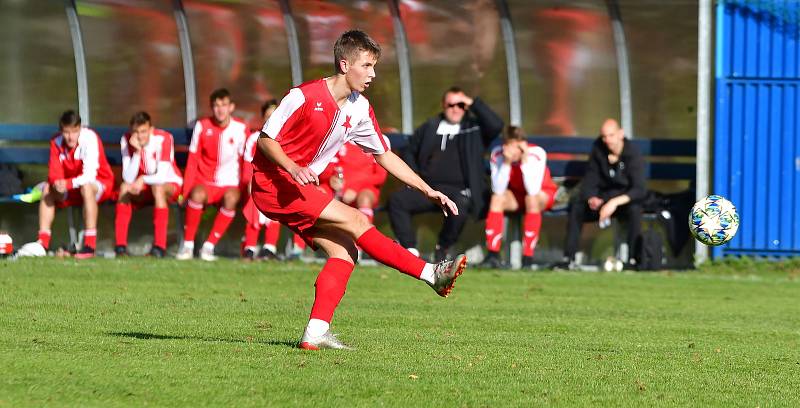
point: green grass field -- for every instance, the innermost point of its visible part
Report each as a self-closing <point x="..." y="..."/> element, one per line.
<point x="161" y="333"/>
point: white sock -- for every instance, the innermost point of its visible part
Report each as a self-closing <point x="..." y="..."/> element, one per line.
<point x="427" y="273"/>
<point x="188" y="244"/>
<point x="208" y="246"/>
<point x="413" y="251"/>
<point x="270" y="248"/>
<point x="317" y="327"/>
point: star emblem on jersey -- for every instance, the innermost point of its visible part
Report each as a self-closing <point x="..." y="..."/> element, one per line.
<point x="230" y="140"/>
<point x="346" y="123"/>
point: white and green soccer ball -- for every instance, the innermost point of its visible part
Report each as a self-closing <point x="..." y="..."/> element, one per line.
<point x="713" y="220"/>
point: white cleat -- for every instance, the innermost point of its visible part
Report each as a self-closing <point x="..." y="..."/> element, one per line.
<point x="207" y="254"/>
<point x="185" y="253"/>
<point x="445" y="274"/>
<point x="326" y="341"/>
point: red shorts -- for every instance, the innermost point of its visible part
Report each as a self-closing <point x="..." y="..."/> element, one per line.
<point x="519" y="194"/>
<point x="214" y="194"/>
<point x="73" y="197"/>
<point x="146" y="196"/>
<point x="281" y="199"/>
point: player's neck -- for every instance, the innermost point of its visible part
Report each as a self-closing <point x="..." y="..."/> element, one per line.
<point x="222" y="124"/>
<point x="339" y="89"/>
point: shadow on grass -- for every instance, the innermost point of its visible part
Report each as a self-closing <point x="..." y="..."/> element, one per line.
<point x="153" y="336"/>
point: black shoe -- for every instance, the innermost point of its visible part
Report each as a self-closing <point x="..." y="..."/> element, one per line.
<point x="157" y="252"/>
<point x="85" y="253"/>
<point x="249" y="254"/>
<point x="441" y="254"/>
<point x="492" y="261"/>
<point x="527" y="262"/>
<point x="121" y="251"/>
<point x="564" y="265"/>
<point x="266" y="253"/>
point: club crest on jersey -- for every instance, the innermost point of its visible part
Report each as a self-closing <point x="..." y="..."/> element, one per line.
<point x="318" y="108"/>
<point x="346" y="125"/>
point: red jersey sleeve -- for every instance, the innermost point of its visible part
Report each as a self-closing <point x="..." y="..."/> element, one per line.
<point x="191" y="164"/>
<point x="55" y="170"/>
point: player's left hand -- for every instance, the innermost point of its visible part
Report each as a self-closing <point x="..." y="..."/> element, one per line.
<point x="443" y="201"/>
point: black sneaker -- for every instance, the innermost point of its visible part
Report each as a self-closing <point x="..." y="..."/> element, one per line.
<point x="565" y="264"/>
<point x="121" y="251"/>
<point x="492" y="261"/>
<point x="158" y="252"/>
<point x="249" y="254"/>
<point x="85" y="253"/>
<point x="266" y="253"/>
<point x="527" y="262"/>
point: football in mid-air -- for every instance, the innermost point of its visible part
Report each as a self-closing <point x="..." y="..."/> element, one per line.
<point x="713" y="220"/>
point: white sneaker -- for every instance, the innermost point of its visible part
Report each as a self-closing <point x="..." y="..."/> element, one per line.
<point x="207" y="253"/>
<point x="185" y="253"/>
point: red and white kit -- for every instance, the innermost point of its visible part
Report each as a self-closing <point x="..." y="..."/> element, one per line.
<point x="155" y="162"/>
<point x="311" y="128"/>
<point x="84" y="164"/>
<point x="215" y="157"/>
<point x="521" y="178"/>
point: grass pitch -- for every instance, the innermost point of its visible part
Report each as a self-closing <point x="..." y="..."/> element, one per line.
<point x="161" y="333"/>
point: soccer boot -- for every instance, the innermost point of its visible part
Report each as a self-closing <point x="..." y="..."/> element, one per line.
<point x="267" y="253"/>
<point x="492" y="261"/>
<point x="207" y="253"/>
<point x="445" y="274"/>
<point x="249" y="254"/>
<point x="185" y="253"/>
<point x="157" y="252"/>
<point x="85" y="253"/>
<point x="326" y="341"/>
<point x="121" y="251"/>
<point x="527" y="262"/>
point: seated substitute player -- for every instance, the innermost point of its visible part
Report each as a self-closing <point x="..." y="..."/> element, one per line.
<point x="311" y="123"/>
<point x="149" y="177"/>
<point x="78" y="175"/>
<point x="254" y="219"/>
<point x="520" y="180"/>
<point x="355" y="178"/>
<point x="213" y="173"/>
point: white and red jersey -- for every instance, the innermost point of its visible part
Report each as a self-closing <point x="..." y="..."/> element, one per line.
<point x="531" y="177"/>
<point x="155" y="162"/>
<point x="215" y="153"/>
<point x="84" y="164"/>
<point x="311" y="127"/>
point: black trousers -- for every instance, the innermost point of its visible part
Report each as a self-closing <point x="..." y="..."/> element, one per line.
<point x="579" y="213"/>
<point x="407" y="202"/>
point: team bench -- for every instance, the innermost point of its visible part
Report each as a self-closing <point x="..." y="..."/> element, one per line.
<point x="666" y="160"/>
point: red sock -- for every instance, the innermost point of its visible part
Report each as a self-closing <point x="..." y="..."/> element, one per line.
<point x="121" y="222"/>
<point x="193" y="213"/>
<point x="272" y="233"/>
<point x="299" y="243"/>
<point x="330" y="287"/>
<point x="44" y="238"/>
<point x="221" y="223"/>
<point x="251" y="235"/>
<point x="531" y="227"/>
<point x="90" y="238"/>
<point x="368" y="212"/>
<point x="494" y="231"/>
<point x="160" y="222"/>
<point x="390" y="253"/>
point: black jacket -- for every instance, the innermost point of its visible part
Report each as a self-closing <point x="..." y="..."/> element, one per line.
<point x="606" y="181"/>
<point x="479" y="127"/>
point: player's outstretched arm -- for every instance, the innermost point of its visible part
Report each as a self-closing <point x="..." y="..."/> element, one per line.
<point x="273" y="150"/>
<point x="398" y="168"/>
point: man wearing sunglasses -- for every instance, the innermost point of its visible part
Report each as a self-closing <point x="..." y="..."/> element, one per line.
<point x="447" y="151"/>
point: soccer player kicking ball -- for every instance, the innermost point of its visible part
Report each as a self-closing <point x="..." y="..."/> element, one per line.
<point x="311" y="123"/>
